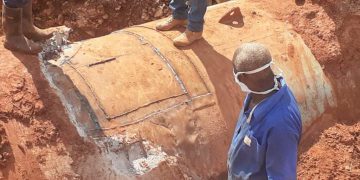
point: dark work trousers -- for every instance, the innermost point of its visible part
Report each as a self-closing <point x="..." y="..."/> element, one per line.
<point x="16" y="3"/>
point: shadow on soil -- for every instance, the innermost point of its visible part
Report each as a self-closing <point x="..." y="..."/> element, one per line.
<point x="219" y="69"/>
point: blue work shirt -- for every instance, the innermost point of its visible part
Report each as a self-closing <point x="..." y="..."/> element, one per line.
<point x="266" y="147"/>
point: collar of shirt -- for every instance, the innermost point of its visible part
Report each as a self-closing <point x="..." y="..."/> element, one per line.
<point x="267" y="104"/>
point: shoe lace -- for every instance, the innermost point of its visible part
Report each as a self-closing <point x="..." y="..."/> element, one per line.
<point x="170" y="19"/>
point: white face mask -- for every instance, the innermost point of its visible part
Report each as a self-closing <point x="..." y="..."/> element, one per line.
<point x="246" y="89"/>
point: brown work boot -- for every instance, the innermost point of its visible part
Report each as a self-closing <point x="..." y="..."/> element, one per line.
<point x="170" y="23"/>
<point x="30" y="30"/>
<point x="187" y="38"/>
<point x="14" y="37"/>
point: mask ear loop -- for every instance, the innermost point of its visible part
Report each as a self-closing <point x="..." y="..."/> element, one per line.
<point x="236" y="76"/>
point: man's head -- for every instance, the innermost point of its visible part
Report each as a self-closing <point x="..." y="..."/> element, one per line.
<point x="249" y="57"/>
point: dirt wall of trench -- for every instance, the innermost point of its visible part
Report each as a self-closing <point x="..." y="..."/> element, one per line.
<point x="331" y="29"/>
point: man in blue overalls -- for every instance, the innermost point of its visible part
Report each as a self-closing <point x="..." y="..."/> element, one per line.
<point x="267" y="134"/>
<point x="19" y="28"/>
<point x="190" y="14"/>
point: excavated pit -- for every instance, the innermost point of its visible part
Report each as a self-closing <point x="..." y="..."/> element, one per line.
<point x="130" y="105"/>
<point x="183" y="102"/>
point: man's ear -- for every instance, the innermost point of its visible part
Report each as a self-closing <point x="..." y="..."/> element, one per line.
<point x="240" y="77"/>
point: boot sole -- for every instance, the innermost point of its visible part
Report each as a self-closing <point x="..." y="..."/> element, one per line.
<point x="168" y="29"/>
<point x="183" y="45"/>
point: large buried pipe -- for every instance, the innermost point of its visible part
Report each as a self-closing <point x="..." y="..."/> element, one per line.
<point x="159" y="111"/>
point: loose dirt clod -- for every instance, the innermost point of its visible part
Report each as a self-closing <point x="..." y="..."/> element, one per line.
<point x="4" y="149"/>
<point x="53" y="47"/>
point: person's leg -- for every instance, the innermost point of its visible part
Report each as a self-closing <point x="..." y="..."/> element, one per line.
<point x="178" y="18"/>
<point x="179" y="9"/>
<point x="13" y="31"/>
<point x="15" y="3"/>
<point x="196" y="15"/>
<point x="196" y="24"/>
<point x="30" y="30"/>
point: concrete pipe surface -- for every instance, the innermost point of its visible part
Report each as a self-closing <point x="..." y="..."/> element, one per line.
<point x="158" y="111"/>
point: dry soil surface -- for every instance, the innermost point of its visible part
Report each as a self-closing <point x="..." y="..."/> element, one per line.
<point x="35" y="134"/>
<point x="335" y="156"/>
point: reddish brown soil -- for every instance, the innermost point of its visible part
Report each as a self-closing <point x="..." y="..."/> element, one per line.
<point x="331" y="28"/>
<point x="4" y="148"/>
<point x="92" y="18"/>
<point x="32" y="116"/>
<point x="335" y="156"/>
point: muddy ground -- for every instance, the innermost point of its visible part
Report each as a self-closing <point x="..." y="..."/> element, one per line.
<point x="330" y="149"/>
